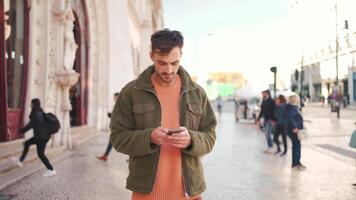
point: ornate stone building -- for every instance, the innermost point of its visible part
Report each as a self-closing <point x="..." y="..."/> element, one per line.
<point x="72" y="55"/>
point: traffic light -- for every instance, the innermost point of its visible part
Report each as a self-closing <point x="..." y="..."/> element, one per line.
<point x="274" y="69"/>
<point x="296" y="74"/>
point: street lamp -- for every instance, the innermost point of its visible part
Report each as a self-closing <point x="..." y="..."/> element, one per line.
<point x="274" y="70"/>
<point x="337" y="44"/>
<point x="301" y="77"/>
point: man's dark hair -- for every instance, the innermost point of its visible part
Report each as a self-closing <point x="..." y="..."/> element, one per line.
<point x="267" y="92"/>
<point x="163" y="41"/>
<point x="36" y="104"/>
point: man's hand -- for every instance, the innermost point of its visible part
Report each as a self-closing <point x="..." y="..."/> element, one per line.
<point x="295" y="130"/>
<point x="180" y="140"/>
<point x="159" y="135"/>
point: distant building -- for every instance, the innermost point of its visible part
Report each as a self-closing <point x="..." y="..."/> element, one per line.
<point x="314" y="39"/>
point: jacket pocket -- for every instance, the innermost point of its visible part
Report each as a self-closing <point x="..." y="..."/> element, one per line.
<point x="194" y="115"/>
<point x="142" y="172"/>
<point x="143" y="113"/>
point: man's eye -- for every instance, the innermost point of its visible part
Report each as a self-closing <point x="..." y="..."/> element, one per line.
<point x="161" y="63"/>
<point x="176" y="63"/>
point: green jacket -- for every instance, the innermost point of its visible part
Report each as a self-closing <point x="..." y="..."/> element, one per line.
<point x="137" y="112"/>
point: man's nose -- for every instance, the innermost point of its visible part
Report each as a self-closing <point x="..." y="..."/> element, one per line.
<point x="170" y="69"/>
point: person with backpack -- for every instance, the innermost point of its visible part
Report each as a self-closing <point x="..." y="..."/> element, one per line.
<point x="41" y="135"/>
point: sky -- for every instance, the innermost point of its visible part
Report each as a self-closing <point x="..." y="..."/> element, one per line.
<point x="246" y="36"/>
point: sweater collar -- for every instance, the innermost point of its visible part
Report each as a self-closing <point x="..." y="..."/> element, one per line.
<point x="144" y="79"/>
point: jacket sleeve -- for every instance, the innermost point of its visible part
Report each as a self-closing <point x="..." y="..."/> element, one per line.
<point x="261" y="111"/>
<point x="124" y="138"/>
<point x="27" y="127"/>
<point x="291" y="121"/>
<point x="273" y="106"/>
<point x="203" y="140"/>
<point x="36" y="119"/>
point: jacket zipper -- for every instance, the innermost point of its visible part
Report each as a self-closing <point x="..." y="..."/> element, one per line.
<point x="186" y="195"/>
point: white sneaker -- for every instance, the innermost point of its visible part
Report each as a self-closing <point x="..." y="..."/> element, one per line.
<point x="17" y="162"/>
<point x="49" y="173"/>
<point x="269" y="150"/>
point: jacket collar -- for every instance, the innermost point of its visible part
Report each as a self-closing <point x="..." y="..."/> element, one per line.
<point x="143" y="81"/>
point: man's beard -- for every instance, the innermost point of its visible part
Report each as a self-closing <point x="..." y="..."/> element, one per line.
<point x="163" y="79"/>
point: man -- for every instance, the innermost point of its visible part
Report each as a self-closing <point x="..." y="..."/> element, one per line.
<point x="104" y="157"/>
<point x="40" y="137"/>
<point x="267" y="112"/>
<point x="165" y="123"/>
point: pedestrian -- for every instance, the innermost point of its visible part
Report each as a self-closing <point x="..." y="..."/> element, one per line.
<point x="294" y="125"/>
<point x="219" y="104"/>
<point x="236" y="103"/>
<point x="245" y="109"/>
<point x="281" y="124"/>
<point x="104" y="157"/>
<point x="267" y="113"/>
<point x="40" y="137"/>
<point x="163" y="120"/>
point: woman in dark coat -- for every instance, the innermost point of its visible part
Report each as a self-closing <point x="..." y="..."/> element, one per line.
<point x="280" y="115"/>
<point x="295" y="124"/>
<point x="40" y="137"/>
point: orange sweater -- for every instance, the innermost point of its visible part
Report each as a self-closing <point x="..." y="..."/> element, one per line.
<point x="169" y="182"/>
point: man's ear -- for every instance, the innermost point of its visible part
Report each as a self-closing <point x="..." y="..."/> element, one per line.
<point x="151" y="55"/>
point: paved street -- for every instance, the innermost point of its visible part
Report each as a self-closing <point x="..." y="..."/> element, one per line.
<point x="236" y="169"/>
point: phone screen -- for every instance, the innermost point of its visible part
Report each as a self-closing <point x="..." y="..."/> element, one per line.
<point x="170" y="132"/>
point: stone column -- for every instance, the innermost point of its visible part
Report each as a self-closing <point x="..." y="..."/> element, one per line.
<point x="65" y="76"/>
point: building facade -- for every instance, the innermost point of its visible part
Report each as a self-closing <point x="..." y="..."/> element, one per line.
<point x="324" y="33"/>
<point x="71" y="54"/>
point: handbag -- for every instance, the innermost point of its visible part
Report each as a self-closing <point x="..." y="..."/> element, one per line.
<point x="302" y="134"/>
<point x="353" y="140"/>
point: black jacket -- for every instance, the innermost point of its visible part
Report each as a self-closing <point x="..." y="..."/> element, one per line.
<point x="37" y="122"/>
<point x="267" y="109"/>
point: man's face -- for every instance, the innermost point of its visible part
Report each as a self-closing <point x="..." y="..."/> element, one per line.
<point x="263" y="94"/>
<point x="167" y="65"/>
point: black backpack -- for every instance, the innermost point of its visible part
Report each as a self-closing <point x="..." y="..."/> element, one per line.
<point x="52" y="123"/>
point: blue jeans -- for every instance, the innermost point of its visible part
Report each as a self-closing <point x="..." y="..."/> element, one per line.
<point x="296" y="147"/>
<point x="108" y="149"/>
<point x="267" y="128"/>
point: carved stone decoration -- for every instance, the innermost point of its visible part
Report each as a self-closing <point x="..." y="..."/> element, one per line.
<point x="7" y="30"/>
<point x="7" y="26"/>
<point x="70" y="46"/>
<point x="66" y="78"/>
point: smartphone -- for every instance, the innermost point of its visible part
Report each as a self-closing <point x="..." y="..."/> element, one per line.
<point x="170" y="132"/>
